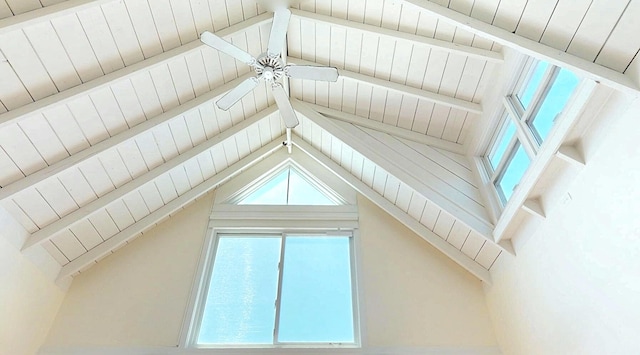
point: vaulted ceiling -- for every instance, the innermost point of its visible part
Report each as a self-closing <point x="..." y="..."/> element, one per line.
<point x="108" y="123"/>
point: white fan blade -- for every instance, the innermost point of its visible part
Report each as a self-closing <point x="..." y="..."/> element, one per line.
<point x="284" y="105"/>
<point x="278" y="31"/>
<point x="237" y="93"/>
<point x="220" y="44"/>
<point x="311" y="72"/>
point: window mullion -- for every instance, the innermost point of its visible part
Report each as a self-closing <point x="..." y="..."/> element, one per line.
<point x="522" y="130"/>
<point x="276" y="327"/>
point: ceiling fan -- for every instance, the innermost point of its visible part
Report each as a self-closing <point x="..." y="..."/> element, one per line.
<point x="270" y="67"/>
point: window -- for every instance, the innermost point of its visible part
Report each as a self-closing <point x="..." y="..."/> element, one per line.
<point x="289" y="186"/>
<point x="278" y="290"/>
<point x="529" y="115"/>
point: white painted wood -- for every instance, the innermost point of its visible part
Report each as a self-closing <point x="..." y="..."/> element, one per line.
<point x="394" y="131"/>
<point x="46" y="14"/>
<point x="487" y="255"/>
<point x="26" y="64"/>
<point x="96" y="149"/>
<point x="586" y="101"/>
<point x="394" y="211"/>
<point x="283" y="213"/>
<point x="69" y="245"/>
<point x="397" y="35"/>
<point x="445" y="100"/>
<point x="145" y="28"/>
<point x="123" y="236"/>
<point x="86" y="234"/>
<point x="534" y="206"/>
<point x="108" y="80"/>
<point x="116" y="194"/>
<point x="534" y="49"/>
<point x="571" y="154"/>
<point x="396" y="165"/>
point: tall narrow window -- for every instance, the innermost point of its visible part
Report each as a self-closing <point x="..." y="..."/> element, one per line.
<point x="287" y="289"/>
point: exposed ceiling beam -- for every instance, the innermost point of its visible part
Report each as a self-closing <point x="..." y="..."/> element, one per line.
<point x="71" y="94"/>
<point x="399" y="167"/>
<point x="47" y="13"/>
<point x="432" y="238"/>
<point x="531" y="48"/>
<point x="155" y="217"/>
<point x="72" y="218"/>
<point x="437" y="44"/>
<point x="389" y="129"/>
<point x="402" y="89"/>
<point x="146" y="126"/>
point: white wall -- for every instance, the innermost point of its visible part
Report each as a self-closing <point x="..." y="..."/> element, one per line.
<point x="574" y="287"/>
<point x="416" y="298"/>
<point x="29" y="299"/>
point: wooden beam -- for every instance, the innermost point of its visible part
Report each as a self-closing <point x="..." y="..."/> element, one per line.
<point x="46" y="14"/>
<point x="146" y="126"/>
<point x="531" y="48"/>
<point x="422" y="41"/>
<point x="165" y="211"/>
<point x="72" y="218"/>
<point x="71" y="94"/>
<point x="401" y="168"/>
<point x="403" y="89"/>
<point x="433" y="239"/>
<point x="389" y="129"/>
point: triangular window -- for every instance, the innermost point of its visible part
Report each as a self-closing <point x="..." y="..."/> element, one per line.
<point x="289" y="186"/>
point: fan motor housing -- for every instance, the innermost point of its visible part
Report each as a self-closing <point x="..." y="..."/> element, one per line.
<point x="270" y="68"/>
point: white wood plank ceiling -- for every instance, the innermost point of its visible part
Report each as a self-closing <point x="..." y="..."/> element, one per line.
<point x="107" y="121"/>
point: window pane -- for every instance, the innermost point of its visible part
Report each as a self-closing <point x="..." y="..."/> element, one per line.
<point x="274" y="192"/>
<point x="513" y="173"/>
<point x="301" y="192"/>
<point x="240" y="304"/>
<point x="502" y="143"/>
<point x="554" y="102"/>
<point x="316" y="295"/>
<point x="526" y="93"/>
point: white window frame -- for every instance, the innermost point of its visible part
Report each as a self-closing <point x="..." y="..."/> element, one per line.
<point x="191" y="327"/>
<point x="522" y="119"/>
<point x="229" y="218"/>
<point x="206" y="269"/>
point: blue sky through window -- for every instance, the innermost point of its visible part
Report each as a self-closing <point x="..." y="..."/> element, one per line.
<point x="503" y="143"/>
<point x="239" y="307"/>
<point x="288" y="187"/>
<point x="316" y="295"/>
<point x="526" y="95"/>
<point x="554" y="102"/>
<point x="316" y="291"/>
<point x="513" y="173"/>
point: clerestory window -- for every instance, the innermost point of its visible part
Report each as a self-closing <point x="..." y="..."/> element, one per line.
<point x="529" y="114"/>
